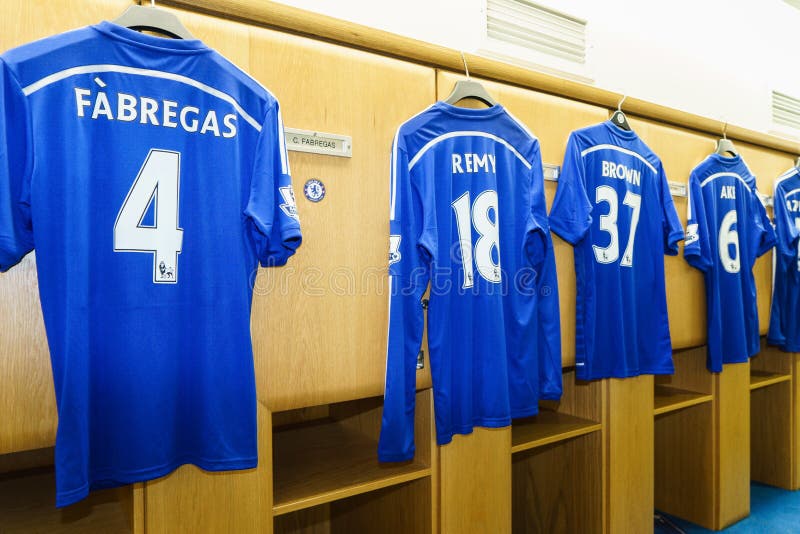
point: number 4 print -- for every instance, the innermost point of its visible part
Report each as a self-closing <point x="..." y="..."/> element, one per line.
<point x="158" y="182"/>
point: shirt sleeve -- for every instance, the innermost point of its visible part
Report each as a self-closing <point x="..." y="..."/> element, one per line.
<point x="537" y="231"/>
<point x="409" y="274"/>
<point x="787" y="228"/>
<point x="549" y="341"/>
<point x="16" y="157"/>
<point x="673" y="230"/>
<point x="764" y="234"/>
<point x="271" y="213"/>
<point x="571" y="214"/>
<point x="697" y="246"/>
<point x="540" y="253"/>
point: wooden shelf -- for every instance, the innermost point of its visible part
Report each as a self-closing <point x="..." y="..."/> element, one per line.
<point x="548" y="427"/>
<point x="669" y="399"/>
<point x="762" y="379"/>
<point x="326" y="461"/>
<point x="27" y="504"/>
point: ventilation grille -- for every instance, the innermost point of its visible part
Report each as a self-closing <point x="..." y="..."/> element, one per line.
<point x="785" y="110"/>
<point x="525" y="24"/>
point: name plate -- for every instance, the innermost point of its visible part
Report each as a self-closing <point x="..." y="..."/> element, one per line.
<point x="551" y="172"/>
<point x="319" y="142"/>
<point x="678" y="189"/>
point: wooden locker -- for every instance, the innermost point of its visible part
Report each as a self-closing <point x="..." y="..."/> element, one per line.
<point x="319" y="324"/>
<point x="550" y="119"/>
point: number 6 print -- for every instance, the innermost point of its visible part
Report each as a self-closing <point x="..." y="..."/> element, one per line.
<point x="797" y="225"/>
<point x="728" y="237"/>
<point x="158" y="182"/>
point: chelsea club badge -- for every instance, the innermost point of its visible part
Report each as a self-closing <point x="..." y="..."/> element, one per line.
<point x="314" y="190"/>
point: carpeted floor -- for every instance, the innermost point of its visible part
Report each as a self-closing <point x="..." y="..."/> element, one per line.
<point x="772" y="511"/>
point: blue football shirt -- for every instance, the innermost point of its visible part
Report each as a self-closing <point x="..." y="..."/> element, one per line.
<point x="468" y="216"/>
<point x="614" y="206"/>
<point x="727" y="229"/>
<point x="784" y="322"/>
<point x="150" y="175"/>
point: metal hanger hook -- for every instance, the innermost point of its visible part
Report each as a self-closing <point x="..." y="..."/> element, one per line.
<point x="725" y="131"/>
<point x="619" y="106"/>
<point x="464" y="59"/>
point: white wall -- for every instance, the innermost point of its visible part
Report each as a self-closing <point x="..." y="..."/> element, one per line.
<point x="716" y="58"/>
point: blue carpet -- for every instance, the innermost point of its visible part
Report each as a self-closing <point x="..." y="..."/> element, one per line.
<point x="772" y="511"/>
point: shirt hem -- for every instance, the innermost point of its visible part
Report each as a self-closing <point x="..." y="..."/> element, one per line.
<point x="122" y="478"/>
<point x="527" y="412"/>
<point x="444" y="439"/>
<point x="393" y="458"/>
<point x="783" y="345"/>
<point x="8" y="258"/>
<point x="742" y="359"/>
<point x="552" y="396"/>
<point x="667" y="370"/>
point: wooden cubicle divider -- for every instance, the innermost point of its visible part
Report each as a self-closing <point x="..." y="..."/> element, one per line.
<point x="771" y="439"/>
<point x="795" y="408"/>
<point x="685" y="448"/>
<point x="558" y="463"/>
<point x="597" y="461"/>
<point x="732" y="443"/>
<point x="476" y="499"/>
<point x="629" y="449"/>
